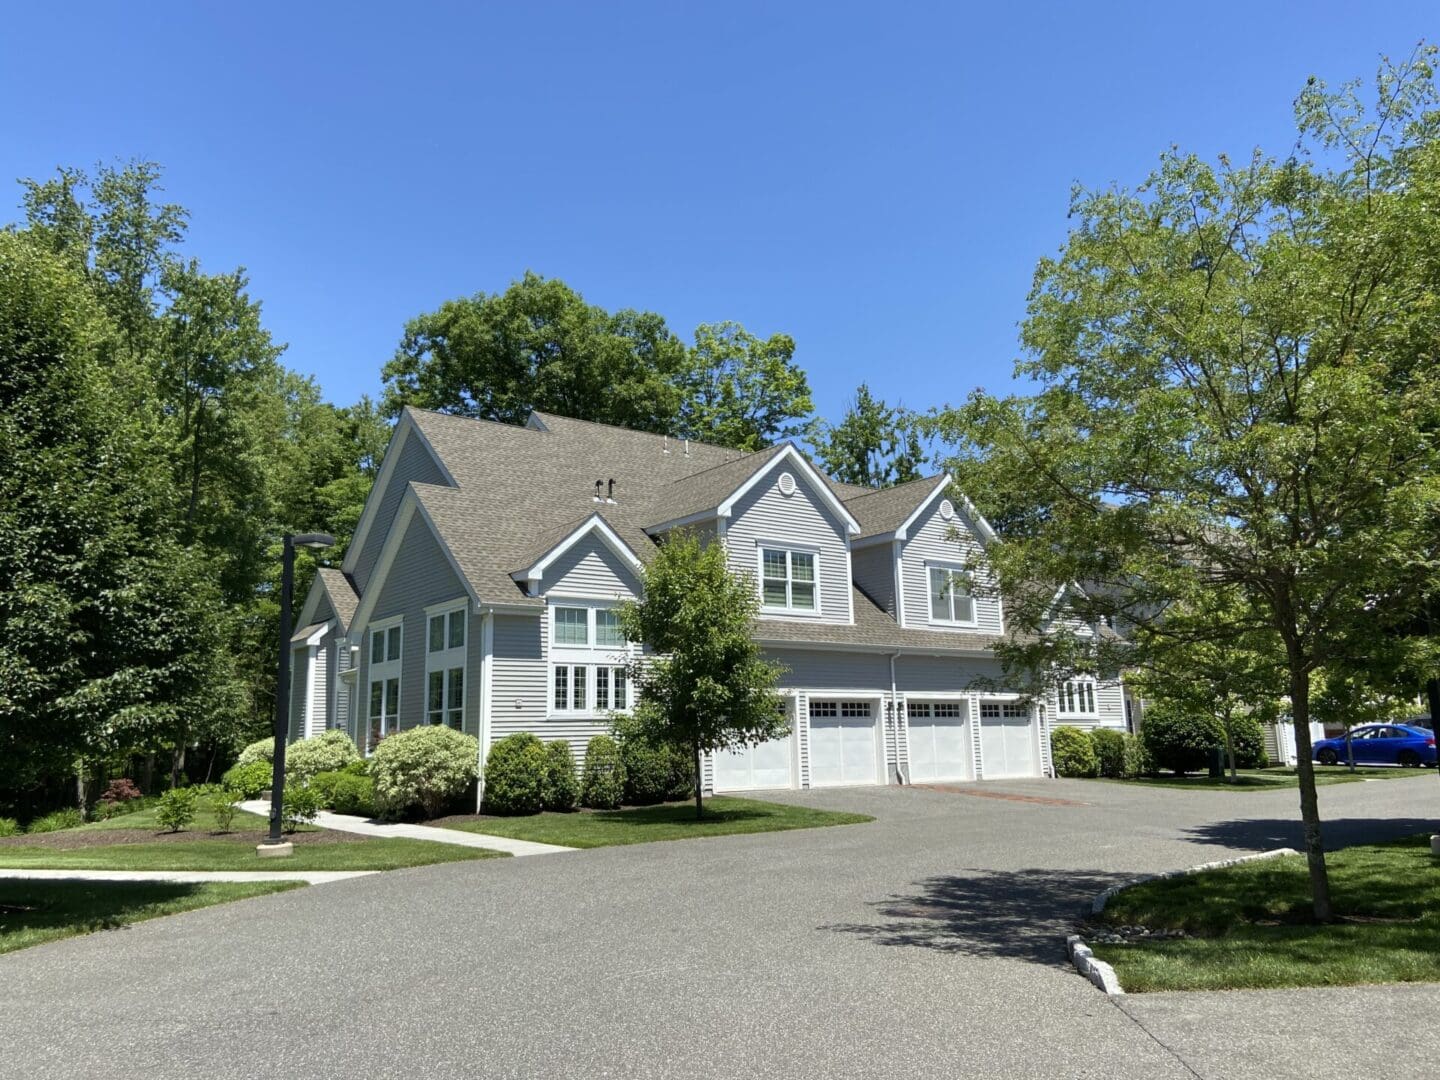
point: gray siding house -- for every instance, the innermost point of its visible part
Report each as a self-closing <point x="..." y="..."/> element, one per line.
<point x="480" y="587"/>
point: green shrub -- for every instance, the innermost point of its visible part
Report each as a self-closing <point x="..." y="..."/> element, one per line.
<point x="1072" y="752"/>
<point x="177" y="808"/>
<point x="326" y="752"/>
<point x="562" y="787"/>
<point x="602" y="784"/>
<point x="1109" y="746"/>
<point x="222" y="806"/>
<point x="301" y="805"/>
<point x="57" y="820"/>
<point x="346" y="793"/>
<point x="358" y="767"/>
<point x="427" y="767"/>
<point x="259" y="750"/>
<point x="250" y="779"/>
<point x="1137" y="759"/>
<point x="1178" y="739"/>
<point x="9" y="827"/>
<point x="516" y="775"/>
<point x="653" y="772"/>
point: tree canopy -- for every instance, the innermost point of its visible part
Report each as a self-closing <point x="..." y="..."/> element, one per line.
<point x="874" y="444"/>
<point x="1238" y="395"/>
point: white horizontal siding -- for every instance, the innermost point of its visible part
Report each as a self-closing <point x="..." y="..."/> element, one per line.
<point x="932" y="538"/>
<point x="766" y="516"/>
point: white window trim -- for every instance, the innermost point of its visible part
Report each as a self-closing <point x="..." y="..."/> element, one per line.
<point x="762" y="546"/>
<point x="383" y="671"/>
<point x="591" y="646"/>
<point x="586" y="657"/>
<point x="446" y="660"/>
<point x="591" y="711"/>
<point x="958" y="568"/>
<point x="1060" y="703"/>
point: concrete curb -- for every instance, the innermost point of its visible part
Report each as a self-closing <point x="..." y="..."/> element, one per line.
<point x="1098" y="904"/>
<point x="1097" y="971"/>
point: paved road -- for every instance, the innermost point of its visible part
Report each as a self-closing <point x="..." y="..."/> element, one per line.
<point x="926" y="944"/>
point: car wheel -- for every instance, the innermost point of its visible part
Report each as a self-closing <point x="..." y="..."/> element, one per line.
<point x="1408" y="758"/>
<point x="1328" y="756"/>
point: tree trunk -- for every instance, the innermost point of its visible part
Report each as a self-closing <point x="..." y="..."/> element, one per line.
<point x="80" y="792"/>
<point x="177" y="762"/>
<point x="1309" y="802"/>
<point x="1230" y="742"/>
<point x="699" y="806"/>
<point x="150" y="773"/>
<point x="1350" y="749"/>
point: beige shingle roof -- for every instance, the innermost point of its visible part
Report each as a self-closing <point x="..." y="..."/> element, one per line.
<point x="873" y="628"/>
<point x="343" y="597"/>
<point x="885" y="510"/>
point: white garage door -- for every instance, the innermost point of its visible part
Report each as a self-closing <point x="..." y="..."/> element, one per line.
<point x="1007" y="740"/>
<point x="843" y="743"/>
<point x="765" y="766"/>
<point x="939" y="741"/>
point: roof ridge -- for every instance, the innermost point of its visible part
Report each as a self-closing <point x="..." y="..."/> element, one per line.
<point x="745" y="455"/>
<point x="476" y="420"/>
<point x="637" y="431"/>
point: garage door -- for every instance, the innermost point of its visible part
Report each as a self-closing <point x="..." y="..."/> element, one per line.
<point x="939" y="741"/>
<point x="765" y="766"/>
<point x="1007" y="740"/>
<point x="843" y="745"/>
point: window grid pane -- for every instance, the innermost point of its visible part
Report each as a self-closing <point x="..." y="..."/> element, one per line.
<point x="578" y="686"/>
<point x="802" y="566"/>
<point x="620" y="688"/>
<point x="572" y="626"/>
<point x="435" y="698"/>
<point x="457" y="629"/>
<point x="377" y="646"/>
<point x="602" y="688"/>
<point x="802" y="596"/>
<point x="437" y="633"/>
<point x="607" y="628"/>
<point x="392" y="643"/>
<point x="562" y="688"/>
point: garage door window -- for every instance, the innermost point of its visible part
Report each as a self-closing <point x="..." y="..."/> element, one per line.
<point x="937" y="710"/>
<point x="1007" y="710"/>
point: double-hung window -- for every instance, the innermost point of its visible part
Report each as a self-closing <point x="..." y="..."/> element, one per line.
<point x="586" y="646"/>
<point x="445" y="667"/>
<point x="788" y="580"/>
<point x="384" y="676"/>
<point x="1077" y="698"/>
<point x="950" y="599"/>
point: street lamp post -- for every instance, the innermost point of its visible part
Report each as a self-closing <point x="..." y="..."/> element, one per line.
<point x="276" y="844"/>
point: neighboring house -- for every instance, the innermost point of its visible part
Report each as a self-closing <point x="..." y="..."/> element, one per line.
<point x="480" y="591"/>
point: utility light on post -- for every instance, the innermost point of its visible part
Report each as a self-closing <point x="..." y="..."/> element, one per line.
<point x="276" y="843"/>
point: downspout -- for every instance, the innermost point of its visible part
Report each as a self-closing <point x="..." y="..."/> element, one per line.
<point x="482" y="722"/>
<point x="895" y="716"/>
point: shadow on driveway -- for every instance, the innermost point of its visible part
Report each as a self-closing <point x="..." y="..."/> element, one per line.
<point x="1263" y="834"/>
<point x="1020" y="914"/>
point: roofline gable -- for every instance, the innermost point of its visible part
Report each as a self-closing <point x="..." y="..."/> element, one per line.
<point x="902" y="531"/>
<point x="595" y="523"/>
<point x="404" y="428"/>
<point x="818" y="482"/>
<point x="306" y="615"/>
<point x="410" y="505"/>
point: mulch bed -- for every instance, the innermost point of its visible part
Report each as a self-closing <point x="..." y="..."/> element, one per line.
<point x="75" y="838"/>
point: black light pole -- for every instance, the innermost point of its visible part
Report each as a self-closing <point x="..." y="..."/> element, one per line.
<point x="315" y="541"/>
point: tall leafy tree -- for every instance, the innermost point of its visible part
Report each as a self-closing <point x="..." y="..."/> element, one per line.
<point x="1239" y="395"/>
<point x="874" y="444"/>
<point x="538" y="345"/>
<point x="706" y="688"/>
<point x="740" y="390"/>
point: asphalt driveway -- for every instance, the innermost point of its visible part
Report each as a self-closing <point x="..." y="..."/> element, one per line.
<point x="926" y="944"/>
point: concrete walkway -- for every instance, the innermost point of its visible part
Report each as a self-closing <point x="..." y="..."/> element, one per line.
<point x="364" y="827"/>
<point x="310" y="877"/>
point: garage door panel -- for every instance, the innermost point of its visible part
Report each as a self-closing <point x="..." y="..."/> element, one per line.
<point x="939" y="742"/>
<point x="1007" y="740"/>
<point x="751" y="767"/>
<point x="842" y="743"/>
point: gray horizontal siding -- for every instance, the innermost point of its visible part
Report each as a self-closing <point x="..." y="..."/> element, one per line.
<point x="874" y="570"/>
<point x="590" y="569"/>
<point x="765" y="515"/>
<point x="932" y="539"/>
<point x="419" y="577"/>
<point x="1109" y="705"/>
<point x="826" y="670"/>
<point x="520" y="687"/>
<point x="413" y="463"/>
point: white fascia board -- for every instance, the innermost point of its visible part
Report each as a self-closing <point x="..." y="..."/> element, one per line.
<point x="314" y="639"/>
<point x="594" y="523"/>
<point x="404" y="428"/>
<point x="408" y="509"/>
<point x="680" y="523"/>
<point x="306" y="614"/>
<point x="883" y="650"/>
<point x="789" y="453"/>
<point x="903" y="532"/>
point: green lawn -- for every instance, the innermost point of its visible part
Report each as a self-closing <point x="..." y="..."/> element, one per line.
<point x="674" y="821"/>
<point x="1252" y="929"/>
<point x="204" y="822"/>
<point x="1271" y="779"/>
<point x="211" y="854"/>
<point x="33" y="912"/>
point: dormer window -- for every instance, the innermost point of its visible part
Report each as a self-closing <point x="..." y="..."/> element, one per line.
<point x="950" y="599"/>
<point x="788" y="580"/>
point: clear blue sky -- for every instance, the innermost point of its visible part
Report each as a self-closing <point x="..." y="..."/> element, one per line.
<point x="876" y="180"/>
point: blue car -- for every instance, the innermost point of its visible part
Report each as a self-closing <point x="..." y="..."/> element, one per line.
<point x="1381" y="744"/>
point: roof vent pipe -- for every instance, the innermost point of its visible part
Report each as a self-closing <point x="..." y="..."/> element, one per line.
<point x="610" y="493"/>
<point x="598" y="485"/>
<point x="687" y="446"/>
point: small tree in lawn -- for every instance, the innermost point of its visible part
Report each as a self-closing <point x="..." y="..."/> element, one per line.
<point x="707" y="688"/>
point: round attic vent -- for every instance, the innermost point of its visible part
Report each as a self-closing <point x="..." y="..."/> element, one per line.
<point x="786" y="484"/>
<point x="947" y="509"/>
